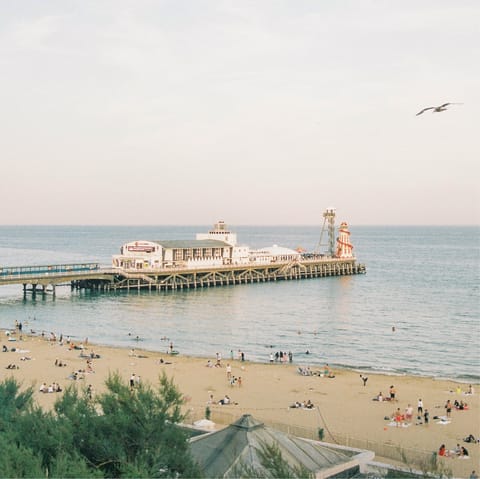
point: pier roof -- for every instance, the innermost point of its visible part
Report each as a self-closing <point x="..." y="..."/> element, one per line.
<point x="183" y="244"/>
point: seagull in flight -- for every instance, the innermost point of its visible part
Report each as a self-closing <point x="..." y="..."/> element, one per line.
<point x="437" y="109"/>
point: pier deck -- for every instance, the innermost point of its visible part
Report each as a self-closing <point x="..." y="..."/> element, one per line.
<point x="116" y="279"/>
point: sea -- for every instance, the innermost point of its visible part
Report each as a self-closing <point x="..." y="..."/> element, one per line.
<point x="414" y="312"/>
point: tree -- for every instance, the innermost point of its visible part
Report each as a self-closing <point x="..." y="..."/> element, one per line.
<point x="122" y="433"/>
<point x="274" y="466"/>
<point x="127" y="433"/>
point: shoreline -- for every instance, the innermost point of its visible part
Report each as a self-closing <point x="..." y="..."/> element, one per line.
<point x="296" y="363"/>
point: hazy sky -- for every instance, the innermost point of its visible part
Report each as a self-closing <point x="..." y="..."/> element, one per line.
<point x="255" y="112"/>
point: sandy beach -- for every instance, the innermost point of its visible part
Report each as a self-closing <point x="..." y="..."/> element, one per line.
<point x="343" y="405"/>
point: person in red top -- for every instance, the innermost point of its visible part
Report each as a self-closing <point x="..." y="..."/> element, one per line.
<point x="442" y="451"/>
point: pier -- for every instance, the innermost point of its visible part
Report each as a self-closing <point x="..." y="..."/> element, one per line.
<point x="44" y="280"/>
<point x="212" y="259"/>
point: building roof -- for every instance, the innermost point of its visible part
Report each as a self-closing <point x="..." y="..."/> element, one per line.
<point x="225" y="452"/>
<point x="184" y="244"/>
<point x="276" y="250"/>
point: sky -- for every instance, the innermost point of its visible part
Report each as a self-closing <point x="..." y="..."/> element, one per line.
<point x="262" y="112"/>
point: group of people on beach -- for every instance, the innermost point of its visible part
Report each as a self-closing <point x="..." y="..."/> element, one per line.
<point x="302" y="405"/>
<point x="325" y="372"/>
<point x="281" y="357"/>
<point x="53" y="388"/>
<point x="459" y="451"/>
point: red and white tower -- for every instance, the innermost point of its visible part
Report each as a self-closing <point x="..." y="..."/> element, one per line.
<point x="344" y="247"/>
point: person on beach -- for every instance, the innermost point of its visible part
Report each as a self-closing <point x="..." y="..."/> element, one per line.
<point x="473" y="475"/>
<point x="463" y="452"/>
<point x="448" y="408"/>
<point x="420" y="407"/>
<point x="409" y="413"/>
<point x="398" y="417"/>
<point x="426" y="417"/>
<point x="132" y="381"/>
<point x="229" y="371"/>
<point x="442" y="451"/>
<point x="364" y="379"/>
<point x="393" y="392"/>
<point x="225" y="400"/>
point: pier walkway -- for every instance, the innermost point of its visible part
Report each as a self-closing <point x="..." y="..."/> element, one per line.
<point x="90" y="276"/>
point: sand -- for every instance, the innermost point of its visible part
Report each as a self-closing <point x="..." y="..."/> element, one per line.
<point x="343" y="405"/>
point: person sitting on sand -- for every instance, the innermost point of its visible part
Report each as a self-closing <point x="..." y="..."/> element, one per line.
<point x="225" y="400"/>
<point x="442" y="451"/>
<point x="470" y="438"/>
<point x="43" y="388"/>
<point x="4" y="349"/>
<point x="309" y="404"/>
<point x="463" y="452"/>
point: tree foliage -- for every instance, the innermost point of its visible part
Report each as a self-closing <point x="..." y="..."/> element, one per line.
<point x="121" y="433"/>
<point x="274" y="465"/>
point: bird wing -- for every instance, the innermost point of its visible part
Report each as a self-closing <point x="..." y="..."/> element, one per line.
<point x="425" y="109"/>
<point x="445" y="104"/>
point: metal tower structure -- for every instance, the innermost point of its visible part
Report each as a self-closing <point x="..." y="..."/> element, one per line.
<point x="328" y="224"/>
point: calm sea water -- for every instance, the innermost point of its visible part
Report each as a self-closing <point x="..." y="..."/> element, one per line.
<point x="424" y="281"/>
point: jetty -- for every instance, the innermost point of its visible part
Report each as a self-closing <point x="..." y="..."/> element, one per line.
<point x="212" y="259"/>
<point x="109" y="279"/>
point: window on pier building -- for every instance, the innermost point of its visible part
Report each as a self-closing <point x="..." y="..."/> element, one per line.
<point x="187" y="254"/>
<point x="197" y="253"/>
<point x="207" y="252"/>
<point x="177" y="254"/>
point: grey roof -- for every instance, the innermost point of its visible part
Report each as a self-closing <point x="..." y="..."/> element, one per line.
<point x="183" y="244"/>
<point x="222" y="453"/>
